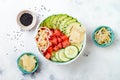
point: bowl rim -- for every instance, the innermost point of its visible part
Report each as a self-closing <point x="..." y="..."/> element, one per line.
<point x="112" y="36"/>
<point x="33" y="22"/>
<point x="24" y="71"/>
<point x="58" y="63"/>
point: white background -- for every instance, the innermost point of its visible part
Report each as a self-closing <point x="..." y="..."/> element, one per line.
<point x="100" y="64"/>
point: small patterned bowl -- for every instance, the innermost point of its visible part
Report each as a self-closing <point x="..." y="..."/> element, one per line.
<point x="111" y="36"/>
<point x="23" y="70"/>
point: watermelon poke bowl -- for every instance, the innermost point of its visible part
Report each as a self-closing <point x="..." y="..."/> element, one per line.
<point x="60" y="38"/>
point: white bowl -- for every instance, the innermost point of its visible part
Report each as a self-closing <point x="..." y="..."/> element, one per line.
<point x="58" y="63"/>
<point x="31" y="25"/>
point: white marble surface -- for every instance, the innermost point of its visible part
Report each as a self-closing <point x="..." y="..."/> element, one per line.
<point x="100" y="64"/>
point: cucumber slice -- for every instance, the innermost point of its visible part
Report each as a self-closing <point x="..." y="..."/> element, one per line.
<point x="53" y="59"/>
<point x="57" y="56"/>
<point x="62" y="55"/>
<point x="71" y="52"/>
<point x="79" y="46"/>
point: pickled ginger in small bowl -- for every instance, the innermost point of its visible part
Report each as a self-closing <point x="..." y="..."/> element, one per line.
<point x="27" y="63"/>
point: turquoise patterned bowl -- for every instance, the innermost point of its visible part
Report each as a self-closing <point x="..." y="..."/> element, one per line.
<point x="105" y="44"/>
<point x="23" y="70"/>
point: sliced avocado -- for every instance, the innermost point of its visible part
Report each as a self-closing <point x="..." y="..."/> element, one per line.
<point x="60" y="19"/>
<point x="51" y="19"/>
<point x="67" y="24"/>
<point x="42" y="24"/>
<point x="55" y="21"/>
<point x="46" y="22"/>
<point x="70" y="21"/>
<point x="61" y="26"/>
<point x="68" y="28"/>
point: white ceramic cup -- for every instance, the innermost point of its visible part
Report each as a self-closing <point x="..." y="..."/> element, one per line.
<point x="31" y="25"/>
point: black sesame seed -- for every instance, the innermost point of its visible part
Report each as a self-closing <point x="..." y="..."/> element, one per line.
<point x="26" y="19"/>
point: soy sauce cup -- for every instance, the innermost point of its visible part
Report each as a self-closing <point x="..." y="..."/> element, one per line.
<point x="104" y="44"/>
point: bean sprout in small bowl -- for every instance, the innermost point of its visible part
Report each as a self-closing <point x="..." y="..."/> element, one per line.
<point x="103" y="36"/>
